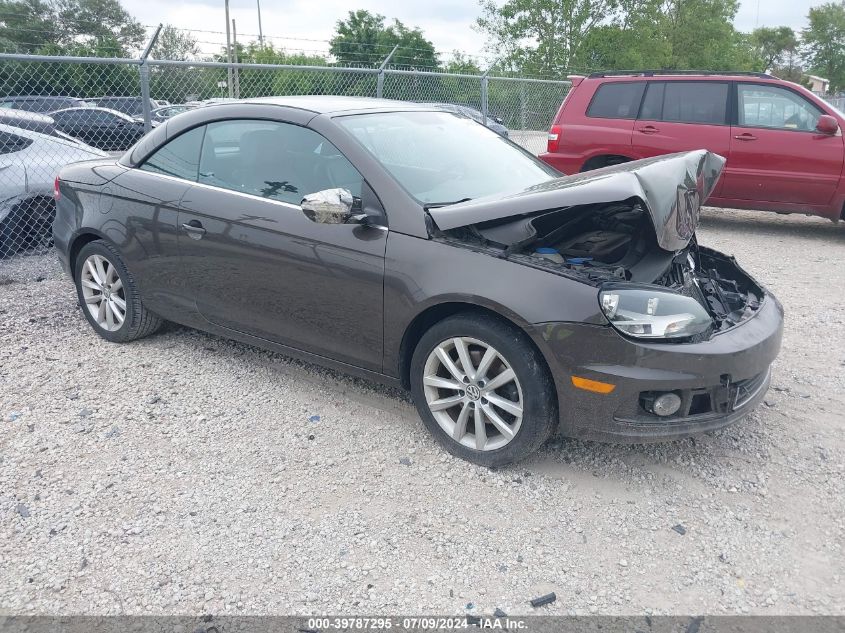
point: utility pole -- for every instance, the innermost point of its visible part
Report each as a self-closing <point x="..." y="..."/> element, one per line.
<point x="228" y="50"/>
<point x="260" y="31"/>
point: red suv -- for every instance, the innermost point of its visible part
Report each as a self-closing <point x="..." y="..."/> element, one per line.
<point x="783" y="144"/>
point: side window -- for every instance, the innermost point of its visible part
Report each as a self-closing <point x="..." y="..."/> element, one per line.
<point x="652" y="109"/>
<point x="617" y="100"/>
<point x="775" y="107"/>
<point x="280" y="161"/>
<point x="179" y="157"/>
<point x="695" y="102"/>
<point x="107" y="118"/>
<point x="11" y="143"/>
<point x="68" y="117"/>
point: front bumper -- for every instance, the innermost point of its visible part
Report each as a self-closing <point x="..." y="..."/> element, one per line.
<point x="720" y="380"/>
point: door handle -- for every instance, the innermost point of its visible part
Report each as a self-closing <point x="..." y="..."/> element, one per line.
<point x="745" y="137"/>
<point x="649" y="129"/>
<point x="194" y="229"/>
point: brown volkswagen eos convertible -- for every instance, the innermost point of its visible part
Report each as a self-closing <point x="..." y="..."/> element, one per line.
<point x="418" y="248"/>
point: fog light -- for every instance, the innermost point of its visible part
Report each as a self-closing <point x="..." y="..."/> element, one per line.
<point x="666" y="404"/>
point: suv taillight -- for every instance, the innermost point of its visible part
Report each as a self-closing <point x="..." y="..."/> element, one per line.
<point x="553" y="139"/>
<point x="56" y="192"/>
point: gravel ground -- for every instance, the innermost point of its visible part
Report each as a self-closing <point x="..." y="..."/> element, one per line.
<point x="186" y="473"/>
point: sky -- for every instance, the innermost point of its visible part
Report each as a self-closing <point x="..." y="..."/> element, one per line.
<point x="447" y="23"/>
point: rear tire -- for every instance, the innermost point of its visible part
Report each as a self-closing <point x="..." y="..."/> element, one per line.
<point x="109" y="296"/>
<point x="499" y="409"/>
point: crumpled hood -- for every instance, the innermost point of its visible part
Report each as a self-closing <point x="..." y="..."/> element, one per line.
<point x="672" y="189"/>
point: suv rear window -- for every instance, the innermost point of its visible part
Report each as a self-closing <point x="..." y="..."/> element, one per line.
<point x="617" y="100"/>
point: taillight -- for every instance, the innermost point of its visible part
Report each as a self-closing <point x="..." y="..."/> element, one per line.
<point x="553" y="139"/>
<point x="56" y="193"/>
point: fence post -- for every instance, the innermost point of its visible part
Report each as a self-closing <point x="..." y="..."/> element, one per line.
<point x="485" y="109"/>
<point x="522" y="106"/>
<point x="228" y="50"/>
<point x="235" y="70"/>
<point x="380" y="78"/>
<point x="144" y="72"/>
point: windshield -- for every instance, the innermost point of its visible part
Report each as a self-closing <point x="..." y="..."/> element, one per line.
<point x="440" y="158"/>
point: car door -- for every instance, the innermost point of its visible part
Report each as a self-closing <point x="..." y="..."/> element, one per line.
<point x="681" y="115"/>
<point x="776" y="153"/>
<point x="145" y="202"/>
<point x="258" y="265"/>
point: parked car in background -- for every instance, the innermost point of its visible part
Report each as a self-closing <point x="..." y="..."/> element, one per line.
<point x="102" y="128"/>
<point x="162" y="114"/>
<point x="413" y="246"/>
<point x="494" y="123"/>
<point x="29" y="162"/>
<point x="29" y="121"/>
<point x="212" y="101"/>
<point x="783" y="144"/>
<point x="36" y="103"/>
<point x="132" y="106"/>
<point x="36" y="122"/>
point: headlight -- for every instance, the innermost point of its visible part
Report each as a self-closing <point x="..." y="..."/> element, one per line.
<point x="646" y="313"/>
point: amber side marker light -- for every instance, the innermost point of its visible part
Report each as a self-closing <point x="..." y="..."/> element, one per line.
<point x="592" y="385"/>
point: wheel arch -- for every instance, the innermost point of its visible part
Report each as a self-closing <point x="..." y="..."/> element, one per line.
<point x="86" y="236"/>
<point x="433" y="314"/>
<point x="604" y="160"/>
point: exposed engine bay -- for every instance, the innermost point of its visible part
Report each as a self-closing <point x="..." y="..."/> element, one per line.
<point x="616" y="242"/>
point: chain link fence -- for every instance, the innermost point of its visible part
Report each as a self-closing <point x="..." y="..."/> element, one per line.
<point x="836" y="102"/>
<point x="59" y="110"/>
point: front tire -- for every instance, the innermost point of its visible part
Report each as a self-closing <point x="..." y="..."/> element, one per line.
<point x="483" y="390"/>
<point x="109" y="297"/>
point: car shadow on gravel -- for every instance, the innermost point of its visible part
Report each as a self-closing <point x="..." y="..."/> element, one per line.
<point x="560" y="457"/>
<point x="764" y="223"/>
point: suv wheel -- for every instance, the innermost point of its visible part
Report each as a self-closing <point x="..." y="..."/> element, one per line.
<point x="483" y="390"/>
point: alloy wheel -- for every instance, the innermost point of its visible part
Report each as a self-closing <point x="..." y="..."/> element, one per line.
<point x="102" y="290"/>
<point x="473" y="393"/>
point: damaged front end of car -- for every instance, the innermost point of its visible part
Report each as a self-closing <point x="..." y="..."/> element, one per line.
<point x="629" y="230"/>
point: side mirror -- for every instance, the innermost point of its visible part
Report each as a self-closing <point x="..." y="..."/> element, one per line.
<point x="498" y="120"/>
<point x="827" y="125"/>
<point x="330" y="206"/>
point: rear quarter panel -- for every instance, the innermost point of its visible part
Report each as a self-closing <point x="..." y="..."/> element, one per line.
<point x="137" y="212"/>
<point x="584" y="137"/>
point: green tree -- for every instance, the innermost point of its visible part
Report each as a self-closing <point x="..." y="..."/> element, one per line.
<point x="553" y="36"/>
<point x="363" y="39"/>
<point x="98" y="21"/>
<point x="175" y="44"/>
<point x="773" y="46"/>
<point x="82" y="26"/>
<point x="635" y="40"/>
<point x="824" y="42"/>
<point x="702" y="36"/>
<point x="28" y="25"/>
<point x="461" y="64"/>
<point x="556" y="29"/>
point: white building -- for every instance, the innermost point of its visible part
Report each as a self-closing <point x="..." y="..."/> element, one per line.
<point x="819" y="85"/>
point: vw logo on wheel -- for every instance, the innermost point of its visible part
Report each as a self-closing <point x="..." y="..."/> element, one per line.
<point x="473" y="392"/>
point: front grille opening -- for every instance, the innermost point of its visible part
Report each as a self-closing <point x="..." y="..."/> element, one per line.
<point x="700" y="403"/>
